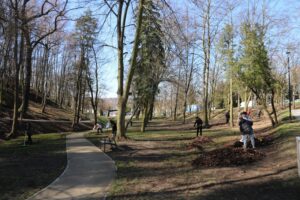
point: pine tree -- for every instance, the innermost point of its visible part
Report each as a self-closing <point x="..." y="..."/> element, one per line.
<point x="254" y="69"/>
<point x="150" y="61"/>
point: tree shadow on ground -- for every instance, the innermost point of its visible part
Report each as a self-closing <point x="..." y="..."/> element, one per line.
<point x="243" y="189"/>
<point x="271" y="190"/>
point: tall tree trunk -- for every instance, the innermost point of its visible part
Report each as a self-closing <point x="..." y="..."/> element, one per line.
<point x="231" y="102"/>
<point x="151" y="107"/>
<point x="18" y="60"/>
<point x="294" y="96"/>
<point x="269" y="114"/>
<point x="137" y="115"/>
<point x="273" y="106"/>
<point x="83" y="96"/>
<point x="121" y="103"/>
<point x="145" y="117"/>
<point x="45" y="80"/>
<point x="123" y="94"/>
<point x="4" y="79"/>
<point x="265" y="107"/>
<point x="26" y="90"/>
<point x="44" y="101"/>
<point x="247" y="100"/>
<point x="93" y="100"/>
<point x="206" y="43"/>
<point x="239" y="102"/>
<point x="177" y="96"/>
<point x="77" y="99"/>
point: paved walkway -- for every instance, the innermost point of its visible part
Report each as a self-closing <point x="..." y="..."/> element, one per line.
<point x="88" y="175"/>
<point x="296" y="113"/>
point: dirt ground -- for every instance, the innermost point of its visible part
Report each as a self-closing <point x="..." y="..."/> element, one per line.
<point x="161" y="167"/>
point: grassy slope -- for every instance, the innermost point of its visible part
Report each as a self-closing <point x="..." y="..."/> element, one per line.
<point x="26" y="169"/>
<point x="160" y="168"/>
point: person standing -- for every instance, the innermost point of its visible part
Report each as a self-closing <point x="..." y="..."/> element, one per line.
<point x="113" y="127"/>
<point x="28" y="133"/>
<point x="227" y="116"/>
<point x="198" y="125"/>
<point x="246" y="129"/>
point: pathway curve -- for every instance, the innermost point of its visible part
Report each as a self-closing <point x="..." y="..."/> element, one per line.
<point x="296" y="113"/>
<point x="88" y="174"/>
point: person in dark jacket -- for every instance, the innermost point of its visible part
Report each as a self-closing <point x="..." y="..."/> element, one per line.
<point x="227" y="116"/>
<point x="198" y="125"/>
<point x="246" y="129"/>
<point x="28" y="133"/>
<point x="113" y="127"/>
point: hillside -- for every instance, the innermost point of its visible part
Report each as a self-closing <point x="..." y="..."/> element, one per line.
<point x="54" y="119"/>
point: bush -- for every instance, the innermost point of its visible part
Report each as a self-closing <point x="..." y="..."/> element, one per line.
<point x="103" y="120"/>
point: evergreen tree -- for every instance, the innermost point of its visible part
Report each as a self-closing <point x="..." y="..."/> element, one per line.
<point x="254" y="68"/>
<point x="150" y="61"/>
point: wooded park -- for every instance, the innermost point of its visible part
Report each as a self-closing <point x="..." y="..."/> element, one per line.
<point x="149" y="99"/>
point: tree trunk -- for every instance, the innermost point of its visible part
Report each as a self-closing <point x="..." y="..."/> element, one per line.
<point x="247" y="100"/>
<point x="231" y="102"/>
<point x="239" y="102"/>
<point x="294" y="96"/>
<point x="26" y="90"/>
<point x="151" y="107"/>
<point x="206" y="44"/>
<point x="269" y="114"/>
<point x="184" y="110"/>
<point x="18" y="60"/>
<point x="16" y="102"/>
<point x="45" y="79"/>
<point x="3" y="78"/>
<point x="145" y="117"/>
<point x="121" y="119"/>
<point x="137" y="116"/>
<point x="177" y="96"/>
<point x="77" y="98"/>
<point x="44" y="101"/>
<point x="123" y="94"/>
<point x="273" y="107"/>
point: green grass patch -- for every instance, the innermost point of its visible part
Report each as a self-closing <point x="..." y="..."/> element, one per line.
<point x="160" y="135"/>
<point x="25" y="170"/>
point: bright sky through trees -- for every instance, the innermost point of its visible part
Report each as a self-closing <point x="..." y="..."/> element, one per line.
<point x="285" y="12"/>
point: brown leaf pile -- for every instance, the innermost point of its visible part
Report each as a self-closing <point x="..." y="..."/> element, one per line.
<point x="199" y="141"/>
<point x="227" y="157"/>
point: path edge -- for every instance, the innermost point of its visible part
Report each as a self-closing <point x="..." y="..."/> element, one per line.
<point x="57" y="178"/>
<point x="115" y="169"/>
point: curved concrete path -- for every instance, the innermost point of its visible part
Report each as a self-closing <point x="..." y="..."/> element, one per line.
<point x="88" y="174"/>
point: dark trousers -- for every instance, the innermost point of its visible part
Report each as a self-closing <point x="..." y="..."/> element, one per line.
<point x="199" y="129"/>
<point x="99" y="129"/>
<point x="29" y="139"/>
<point x="227" y="120"/>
